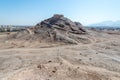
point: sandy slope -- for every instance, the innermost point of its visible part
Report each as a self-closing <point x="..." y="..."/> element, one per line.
<point x="98" y="60"/>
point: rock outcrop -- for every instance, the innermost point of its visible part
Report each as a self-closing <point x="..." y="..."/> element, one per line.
<point x="58" y="29"/>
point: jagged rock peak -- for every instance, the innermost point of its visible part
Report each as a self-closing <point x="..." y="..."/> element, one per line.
<point x="57" y="16"/>
<point x="58" y="29"/>
<point x="60" y="21"/>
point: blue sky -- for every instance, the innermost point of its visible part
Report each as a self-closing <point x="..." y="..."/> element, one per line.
<point x="30" y="12"/>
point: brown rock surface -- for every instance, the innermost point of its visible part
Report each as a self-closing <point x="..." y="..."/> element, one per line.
<point x="36" y="53"/>
<point x="55" y="29"/>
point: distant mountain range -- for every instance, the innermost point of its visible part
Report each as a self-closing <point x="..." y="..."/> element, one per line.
<point x="107" y="23"/>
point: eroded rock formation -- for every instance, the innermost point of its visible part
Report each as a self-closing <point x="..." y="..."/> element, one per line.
<point x="58" y="29"/>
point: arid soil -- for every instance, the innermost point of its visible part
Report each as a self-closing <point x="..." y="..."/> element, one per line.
<point x="96" y="59"/>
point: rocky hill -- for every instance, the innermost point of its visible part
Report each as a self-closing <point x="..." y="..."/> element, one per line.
<point x="55" y="29"/>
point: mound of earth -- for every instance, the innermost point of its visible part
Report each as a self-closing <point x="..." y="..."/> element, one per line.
<point x="55" y="29"/>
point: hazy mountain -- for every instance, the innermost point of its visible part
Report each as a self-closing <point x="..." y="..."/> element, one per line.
<point x="107" y="23"/>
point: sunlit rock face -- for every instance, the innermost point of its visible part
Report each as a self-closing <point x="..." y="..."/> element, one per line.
<point x="56" y="29"/>
<point x="60" y="28"/>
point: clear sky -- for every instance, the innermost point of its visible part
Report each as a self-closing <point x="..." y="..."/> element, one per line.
<point x="30" y="12"/>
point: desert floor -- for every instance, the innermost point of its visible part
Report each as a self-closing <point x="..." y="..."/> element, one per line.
<point x="98" y="60"/>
